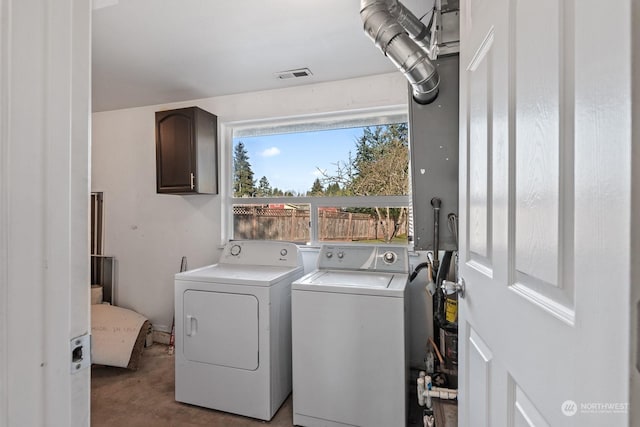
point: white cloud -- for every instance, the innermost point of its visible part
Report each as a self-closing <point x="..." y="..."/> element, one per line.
<point x="318" y="172"/>
<point x="270" y="152"/>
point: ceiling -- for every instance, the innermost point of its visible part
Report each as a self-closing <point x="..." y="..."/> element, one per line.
<point x="147" y="52"/>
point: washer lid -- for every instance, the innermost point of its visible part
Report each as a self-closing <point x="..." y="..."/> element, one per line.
<point x="253" y="275"/>
<point x="352" y="278"/>
<point x="353" y="282"/>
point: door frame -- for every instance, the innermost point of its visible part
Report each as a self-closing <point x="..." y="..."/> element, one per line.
<point x="634" y="300"/>
<point x="45" y="66"/>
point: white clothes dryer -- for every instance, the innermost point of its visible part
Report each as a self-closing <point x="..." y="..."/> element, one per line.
<point x="233" y="329"/>
<point x="349" y="343"/>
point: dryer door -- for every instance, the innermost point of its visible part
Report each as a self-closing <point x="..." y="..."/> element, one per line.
<point x="221" y="329"/>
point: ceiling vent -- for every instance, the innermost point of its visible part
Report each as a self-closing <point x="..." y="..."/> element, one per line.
<point x="292" y="74"/>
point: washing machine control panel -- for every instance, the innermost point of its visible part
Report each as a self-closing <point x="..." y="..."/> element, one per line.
<point x="393" y="259"/>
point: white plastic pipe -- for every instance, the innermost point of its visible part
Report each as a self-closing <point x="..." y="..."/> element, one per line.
<point x="442" y="393"/>
<point x="426" y="391"/>
<point x="421" y="391"/>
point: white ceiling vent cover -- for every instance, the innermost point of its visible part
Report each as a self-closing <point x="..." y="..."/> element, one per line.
<point x="291" y="74"/>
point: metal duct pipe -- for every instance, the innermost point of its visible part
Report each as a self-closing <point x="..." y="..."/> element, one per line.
<point x="387" y="23"/>
<point x="416" y="29"/>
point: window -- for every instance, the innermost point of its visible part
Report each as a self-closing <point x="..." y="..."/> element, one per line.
<point x="344" y="179"/>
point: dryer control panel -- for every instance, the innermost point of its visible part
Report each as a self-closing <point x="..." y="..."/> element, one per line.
<point x="261" y="252"/>
<point x="387" y="258"/>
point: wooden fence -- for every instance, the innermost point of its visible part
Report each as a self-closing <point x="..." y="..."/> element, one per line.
<point x="256" y="222"/>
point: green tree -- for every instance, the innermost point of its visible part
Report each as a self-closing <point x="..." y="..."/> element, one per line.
<point x="264" y="188"/>
<point x="316" y="188"/>
<point x="380" y="168"/>
<point x="333" y="190"/>
<point x="243" y="183"/>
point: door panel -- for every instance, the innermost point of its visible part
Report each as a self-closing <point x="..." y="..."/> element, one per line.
<point x="544" y="197"/>
<point x="537" y="124"/>
<point x="480" y="75"/>
<point x="479" y="362"/>
<point x="543" y="151"/>
<point x="221" y="329"/>
<point x="175" y="150"/>
<point x="525" y="412"/>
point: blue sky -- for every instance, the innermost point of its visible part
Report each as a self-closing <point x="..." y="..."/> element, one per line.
<point x="291" y="161"/>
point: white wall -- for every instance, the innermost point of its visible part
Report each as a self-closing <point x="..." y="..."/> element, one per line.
<point x="148" y="233"/>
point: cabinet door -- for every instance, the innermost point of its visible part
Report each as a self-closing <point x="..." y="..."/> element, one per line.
<point x="175" y="151"/>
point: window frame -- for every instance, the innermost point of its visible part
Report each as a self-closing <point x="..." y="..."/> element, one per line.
<point x="365" y="117"/>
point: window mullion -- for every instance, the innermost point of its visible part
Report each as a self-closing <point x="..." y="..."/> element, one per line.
<point x="315" y="222"/>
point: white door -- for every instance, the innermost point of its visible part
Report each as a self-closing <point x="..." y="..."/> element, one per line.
<point x="44" y="200"/>
<point x="545" y="152"/>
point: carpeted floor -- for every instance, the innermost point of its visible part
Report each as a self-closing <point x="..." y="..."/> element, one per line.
<point x="144" y="398"/>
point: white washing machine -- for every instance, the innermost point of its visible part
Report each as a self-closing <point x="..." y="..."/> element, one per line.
<point x="349" y="344"/>
<point x="233" y="329"/>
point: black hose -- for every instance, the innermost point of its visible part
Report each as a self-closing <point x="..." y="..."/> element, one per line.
<point x="417" y="270"/>
<point x="439" y="297"/>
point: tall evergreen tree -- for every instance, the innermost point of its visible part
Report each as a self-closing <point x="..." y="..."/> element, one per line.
<point x="333" y="190"/>
<point x="264" y="188"/>
<point x="316" y="188"/>
<point x="243" y="183"/>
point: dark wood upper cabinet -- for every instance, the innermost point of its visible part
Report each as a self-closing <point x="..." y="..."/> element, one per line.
<point x="186" y="151"/>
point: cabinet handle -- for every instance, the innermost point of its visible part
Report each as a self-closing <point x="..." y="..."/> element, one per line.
<point x="192" y="177"/>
